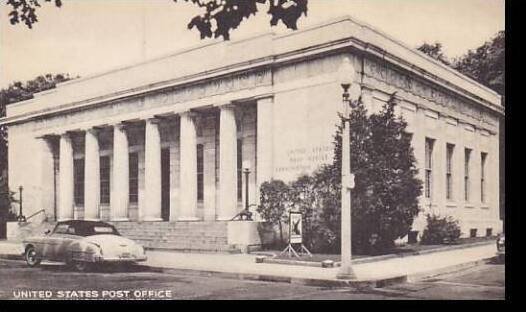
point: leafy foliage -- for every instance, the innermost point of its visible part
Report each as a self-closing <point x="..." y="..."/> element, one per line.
<point x="486" y="64"/>
<point x="435" y="51"/>
<point x="274" y="197"/>
<point x="440" y="230"/>
<point x="25" y="11"/>
<point x="217" y="20"/>
<point x="221" y="16"/>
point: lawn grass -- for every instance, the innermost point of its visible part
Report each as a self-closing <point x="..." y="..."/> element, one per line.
<point x="405" y="249"/>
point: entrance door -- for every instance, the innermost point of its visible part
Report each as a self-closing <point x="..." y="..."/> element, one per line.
<point x="165" y="184"/>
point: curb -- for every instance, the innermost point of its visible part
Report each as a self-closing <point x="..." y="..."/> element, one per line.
<point x="358" y="284"/>
<point x="448" y="270"/>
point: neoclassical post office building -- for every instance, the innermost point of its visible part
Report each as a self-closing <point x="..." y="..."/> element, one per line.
<point x="159" y="147"/>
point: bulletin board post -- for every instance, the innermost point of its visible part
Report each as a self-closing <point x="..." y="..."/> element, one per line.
<point x="296" y="236"/>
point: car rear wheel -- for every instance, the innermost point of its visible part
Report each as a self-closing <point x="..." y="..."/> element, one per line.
<point x="31" y="256"/>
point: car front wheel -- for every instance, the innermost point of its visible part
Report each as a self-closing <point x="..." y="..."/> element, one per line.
<point x="31" y="257"/>
<point x="82" y="266"/>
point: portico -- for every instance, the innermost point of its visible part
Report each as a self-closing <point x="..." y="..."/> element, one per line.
<point x="202" y="149"/>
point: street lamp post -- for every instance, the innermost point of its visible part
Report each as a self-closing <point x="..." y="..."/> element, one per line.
<point x="346" y="74"/>
<point x="21" y="217"/>
<point x="246" y="171"/>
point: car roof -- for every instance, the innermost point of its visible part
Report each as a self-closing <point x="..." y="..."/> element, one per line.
<point x="83" y="222"/>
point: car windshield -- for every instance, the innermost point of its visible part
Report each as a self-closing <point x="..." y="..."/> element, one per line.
<point x="86" y="229"/>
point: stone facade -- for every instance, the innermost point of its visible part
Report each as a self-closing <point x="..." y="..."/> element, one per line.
<point x="272" y="99"/>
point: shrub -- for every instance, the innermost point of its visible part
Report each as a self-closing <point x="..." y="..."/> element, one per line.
<point x="274" y="198"/>
<point x="440" y="230"/>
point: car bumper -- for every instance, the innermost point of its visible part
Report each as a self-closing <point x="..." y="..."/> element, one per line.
<point x="120" y="259"/>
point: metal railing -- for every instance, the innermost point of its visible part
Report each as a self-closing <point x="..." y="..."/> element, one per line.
<point x="31" y="216"/>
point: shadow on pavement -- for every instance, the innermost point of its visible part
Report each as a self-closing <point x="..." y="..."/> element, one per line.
<point x="105" y="268"/>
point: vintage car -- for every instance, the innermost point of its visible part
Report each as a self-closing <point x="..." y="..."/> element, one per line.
<point x="82" y="244"/>
<point x="501" y="246"/>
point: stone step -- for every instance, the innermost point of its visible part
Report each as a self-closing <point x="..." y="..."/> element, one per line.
<point x="190" y="236"/>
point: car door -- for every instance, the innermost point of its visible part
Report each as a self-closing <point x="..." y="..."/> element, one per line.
<point x="63" y="241"/>
<point x="51" y="241"/>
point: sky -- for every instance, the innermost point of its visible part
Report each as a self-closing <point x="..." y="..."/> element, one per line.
<point x="84" y="37"/>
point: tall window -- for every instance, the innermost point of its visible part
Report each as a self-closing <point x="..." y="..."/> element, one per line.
<point x="239" y="169"/>
<point x="78" y="178"/>
<point x="483" y="157"/>
<point x="429" y="167"/>
<point x="200" y="172"/>
<point x="104" y="179"/>
<point x="133" y="178"/>
<point x="449" y="171"/>
<point x="467" y="155"/>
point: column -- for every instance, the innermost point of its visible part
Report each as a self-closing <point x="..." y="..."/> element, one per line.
<point x="91" y="176"/>
<point x="65" y="211"/>
<point x="152" y="172"/>
<point x="120" y="190"/>
<point x="264" y="142"/>
<point x="188" y="168"/>
<point x="47" y="172"/>
<point x="418" y="143"/>
<point x="227" y="163"/>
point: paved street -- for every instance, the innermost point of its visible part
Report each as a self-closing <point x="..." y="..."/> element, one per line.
<point x="481" y="282"/>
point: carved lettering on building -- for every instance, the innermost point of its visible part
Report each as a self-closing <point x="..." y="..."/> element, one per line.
<point x="306" y="159"/>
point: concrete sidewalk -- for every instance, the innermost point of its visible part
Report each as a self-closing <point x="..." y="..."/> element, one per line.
<point x="243" y="266"/>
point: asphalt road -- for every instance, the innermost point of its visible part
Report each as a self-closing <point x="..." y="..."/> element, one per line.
<point x="55" y="281"/>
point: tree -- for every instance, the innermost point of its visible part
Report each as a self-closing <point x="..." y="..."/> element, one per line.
<point x="486" y="64"/>
<point x="435" y="51"/>
<point x="218" y="18"/>
<point x="385" y="196"/>
<point x="17" y="92"/>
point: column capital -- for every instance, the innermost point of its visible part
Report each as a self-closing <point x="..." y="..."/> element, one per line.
<point x="119" y="125"/>
<point x="92" y="130"/>
<point x="225" y="105"/>
<point x="152" y="119"/>
<point x="190" y="114"/>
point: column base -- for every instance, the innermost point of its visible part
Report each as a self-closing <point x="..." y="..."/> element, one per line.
<point x="346" y="272"/>
<point x="188" y="219"/>
<point x="64" y="219"/>
<point x="151" y="219"/>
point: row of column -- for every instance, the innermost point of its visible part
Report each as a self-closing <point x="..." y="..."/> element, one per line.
<point x="151" y="210"/>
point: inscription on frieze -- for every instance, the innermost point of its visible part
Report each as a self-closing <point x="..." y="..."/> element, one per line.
<point x="210" y="88"/>
<point x="383" y="73"/>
